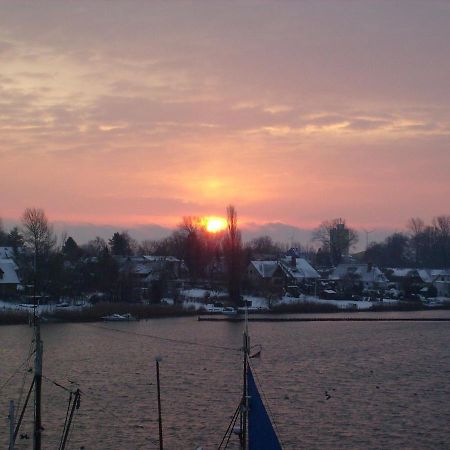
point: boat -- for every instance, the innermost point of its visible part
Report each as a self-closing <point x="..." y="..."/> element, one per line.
<point x="251" y="420"/>
<point x="214" y="308"/>
<point x="118" y="318"/>
<point x="63" y="305"/>
<point x="229" y="311"/>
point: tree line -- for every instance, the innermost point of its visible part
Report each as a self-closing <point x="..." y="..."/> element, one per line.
<point x="63" y="267"/>
<point x="421" y="245"/>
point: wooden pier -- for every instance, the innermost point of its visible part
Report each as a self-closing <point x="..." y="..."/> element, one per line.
<point x="323" y="319"/>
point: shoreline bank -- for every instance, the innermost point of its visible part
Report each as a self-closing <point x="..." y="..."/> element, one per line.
<point x="95" y="313"/>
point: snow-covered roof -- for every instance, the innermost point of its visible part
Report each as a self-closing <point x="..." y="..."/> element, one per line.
<point x="365" y="272"/>
<point x="194" y="293"/>
<point x="265" y="268"/>
<point x="161" y="258"/>
<point x="8" y="272"/>
<point x="301" y="270"/>
<point x="142" y="269"/>
<point x="401" y="273"/>
<point x="426" y="275"/>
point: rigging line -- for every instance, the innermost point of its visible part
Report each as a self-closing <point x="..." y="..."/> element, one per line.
<point x="56" y="383"/>
<point x="25" y="373"/>
<point x="266" y="403"/>
<point x="178" y="341"/>
<point x="65" y="422"/>
<point x="16" y="372"/>
<point x="19" y="402"/>
<point x="69" y="434"/>
<point x="19" y="422"/>
<point x="231" y="432"/>
<point x="230" y="425"/>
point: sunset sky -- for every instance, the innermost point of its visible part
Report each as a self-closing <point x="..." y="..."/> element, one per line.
<point x="129" y="113"/>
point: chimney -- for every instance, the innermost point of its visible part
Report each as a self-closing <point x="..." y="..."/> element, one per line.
<point x="369" y="267"/>
<point x="293" y="261"/>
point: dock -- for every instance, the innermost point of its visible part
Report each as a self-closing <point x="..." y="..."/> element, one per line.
<point x="323" y="319"/>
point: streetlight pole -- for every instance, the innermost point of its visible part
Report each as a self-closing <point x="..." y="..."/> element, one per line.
<point x="158" y="359"/>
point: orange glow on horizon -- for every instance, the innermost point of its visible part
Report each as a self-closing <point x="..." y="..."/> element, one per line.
<point x="215" y="224"/>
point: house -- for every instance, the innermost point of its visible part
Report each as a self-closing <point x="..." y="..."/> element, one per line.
<point x="265" y="275"/>
<point x="298" y="270"/>
<point x="140" y="274"/>
<point x="399" y="275"/>
<point x="172" y="266"/>
<point x="275" y="275"/>
<point x="9" y="280"/>
<point x="370" y="276"/>
<point x="441" y="282"/>
<point x="412" y="277"/>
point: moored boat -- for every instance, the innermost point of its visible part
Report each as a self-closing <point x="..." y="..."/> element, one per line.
<point x="118" y="318"/>
<point x="229" y="311"/>
<point x="251" y="420"/>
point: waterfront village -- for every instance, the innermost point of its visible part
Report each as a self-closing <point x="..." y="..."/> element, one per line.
<point x="194" y="272"/>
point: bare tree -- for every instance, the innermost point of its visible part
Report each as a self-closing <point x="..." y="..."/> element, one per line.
<point x="3" y="235"/>
<point x="233" y="255"/>
<point x="37" y="231"/>
<point x="95" y="246"/>
<point x="194" y="248"/>
<point x="442" y="225"/>
<point x="264" y="245"/>
<point x="335" y="237"/>
<point x="415" y="225"/>
<point x="147" y="247"/>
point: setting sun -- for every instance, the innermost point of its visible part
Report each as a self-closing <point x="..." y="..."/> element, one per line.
<point x="215" y="224"/>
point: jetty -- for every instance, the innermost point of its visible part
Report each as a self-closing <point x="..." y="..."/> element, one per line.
<point x="323" y="319"/>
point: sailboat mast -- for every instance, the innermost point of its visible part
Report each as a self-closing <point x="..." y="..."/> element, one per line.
<point x="37" y="386"/>
<point x="158" y="386"/>
<point x="37" y="368"/>
<point x="11" y="425"/>
<point x="244" y="414"/>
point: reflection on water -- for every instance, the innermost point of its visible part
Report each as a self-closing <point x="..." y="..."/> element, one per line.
<point x="328" y="385"/>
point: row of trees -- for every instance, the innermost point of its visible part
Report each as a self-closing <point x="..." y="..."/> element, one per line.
<point x="64" y="267"/>
<point x="421" y="245"/>
<point x="58" y="270"/>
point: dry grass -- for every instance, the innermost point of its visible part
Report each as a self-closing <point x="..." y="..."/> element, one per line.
<point x="306" y="307"/>
<point x="137" y="310"/>
<point x="13" y="317"/>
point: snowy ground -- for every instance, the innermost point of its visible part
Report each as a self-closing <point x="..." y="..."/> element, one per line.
<point x="342" y="304"/>
<point x="41" y="308"/>
<point x="197" y="293"/>
<point x="198" y="298"/>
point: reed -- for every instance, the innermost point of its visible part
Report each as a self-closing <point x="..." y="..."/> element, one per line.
<point x="13" y="317"/>
<point x="137" y="310"/>
<point x="305" y="307"/>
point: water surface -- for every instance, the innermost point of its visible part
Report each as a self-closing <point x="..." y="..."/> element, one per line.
<point x="387" y="382"/>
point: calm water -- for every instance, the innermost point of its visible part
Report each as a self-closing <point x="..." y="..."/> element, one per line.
<point x="389" y="382"/>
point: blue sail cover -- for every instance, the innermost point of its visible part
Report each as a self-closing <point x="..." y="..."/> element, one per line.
<point x="261" y="435"/>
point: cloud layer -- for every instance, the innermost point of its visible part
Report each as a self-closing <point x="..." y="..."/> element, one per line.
<point x="139" y="112"/>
